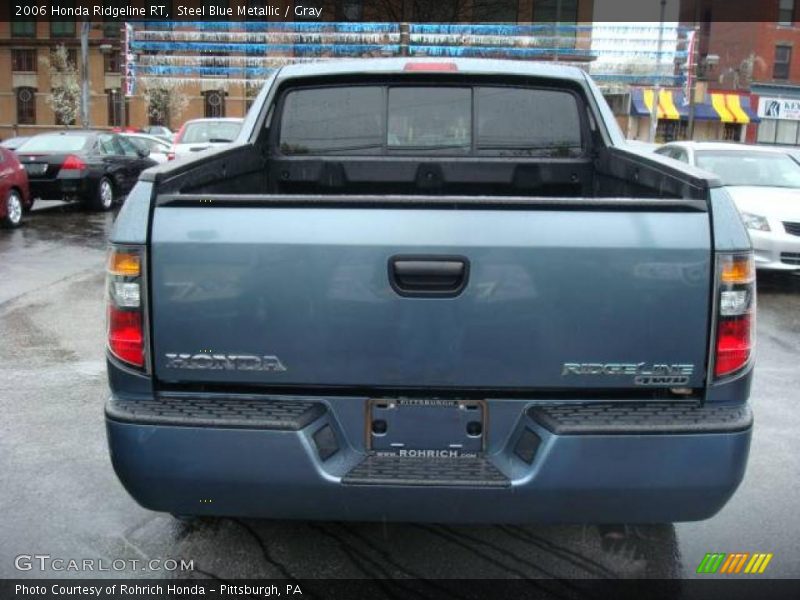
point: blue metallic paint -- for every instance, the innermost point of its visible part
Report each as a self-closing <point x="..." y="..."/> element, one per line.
<point x="318" y="295"/>
<point x="577" y="479"/>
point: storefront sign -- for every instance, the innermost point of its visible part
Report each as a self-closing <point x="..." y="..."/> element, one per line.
<point x="779" y="108"/>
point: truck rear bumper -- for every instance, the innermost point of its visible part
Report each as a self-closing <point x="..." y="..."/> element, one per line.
<point x="587" y="463"/>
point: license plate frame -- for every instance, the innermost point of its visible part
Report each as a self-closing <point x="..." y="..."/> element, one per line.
<point x="426" y="428"/>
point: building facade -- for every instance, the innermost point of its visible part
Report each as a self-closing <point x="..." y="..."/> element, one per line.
<point x="760" y="59"/>
<point x="208" y="89"/>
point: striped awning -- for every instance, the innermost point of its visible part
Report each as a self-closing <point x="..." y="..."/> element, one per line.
<point x="733" y="108"/>
<point x="668" y="103"/>
<point x="672" y="105"/>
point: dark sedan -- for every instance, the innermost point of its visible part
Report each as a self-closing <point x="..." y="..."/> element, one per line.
<point x="94" y="167"/>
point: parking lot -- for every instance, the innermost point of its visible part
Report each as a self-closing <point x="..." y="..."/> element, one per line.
<point x="59" y="495"/>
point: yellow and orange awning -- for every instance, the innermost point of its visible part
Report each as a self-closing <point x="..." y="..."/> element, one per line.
<point x="672" y="105"/>
<point x="666" y="104"/>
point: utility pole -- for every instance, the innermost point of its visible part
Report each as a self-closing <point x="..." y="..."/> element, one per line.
<point x="657" y="91"/>
<point x="123" y="88"/>
<point x="85" y="73"/>
<point x="692" y="89"/>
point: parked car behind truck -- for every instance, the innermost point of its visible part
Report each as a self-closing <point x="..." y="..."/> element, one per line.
<point x="765" y="185"/>
<point x="201" y="134"/>
<point x="93" y="167"/>
<point x="434" y="291"/>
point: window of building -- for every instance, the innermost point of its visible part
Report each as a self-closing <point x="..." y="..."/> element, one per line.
<point x="497" y="11"/>
<point x="23" y="59"/>
<point x="111" y="28"/>
<point x="20" y="27"/>
<point x="26" y="106"/>
<point x="115" y="99"/>
<point x="731" y="132"/>
<point x="783" y="57"/>
<point x="62" y="28"/>
<point x="786" y="12"/>
<point x="26" y="29"/>
<point x="557" y="12"/>
<point x="552" y="11"/>
<point x="766" y="131"/>
<point x="112" y="62"/>
<point x="214" y="104"/>
<point x="669" y="130"/>
<point x="786" y="133"/>
<point x="350" y="10"/>
<point x="778" y="131"/>
<point x="72" y="56"/>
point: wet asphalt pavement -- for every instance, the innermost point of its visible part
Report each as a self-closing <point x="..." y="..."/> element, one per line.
<point x="59" y="495"/>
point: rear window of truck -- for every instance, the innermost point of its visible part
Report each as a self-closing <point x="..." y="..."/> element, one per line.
<point x="482" y="120"/>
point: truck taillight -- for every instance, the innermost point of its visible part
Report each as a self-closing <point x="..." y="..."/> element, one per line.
<point x="735" y="313"/>
<point x="125" y="322"/>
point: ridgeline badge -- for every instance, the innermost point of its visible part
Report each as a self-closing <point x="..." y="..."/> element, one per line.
<point x="642" y="373"/>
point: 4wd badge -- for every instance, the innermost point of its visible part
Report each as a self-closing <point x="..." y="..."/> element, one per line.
<point x="642" y="373"/>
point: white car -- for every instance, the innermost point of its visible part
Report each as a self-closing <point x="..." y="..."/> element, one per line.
<point x="764" y="183"/>
<point x="158" y="148"/>
<point x="200" y="134"/>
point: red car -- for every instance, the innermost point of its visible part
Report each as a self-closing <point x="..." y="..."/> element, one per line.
<point x="15" y="195"/>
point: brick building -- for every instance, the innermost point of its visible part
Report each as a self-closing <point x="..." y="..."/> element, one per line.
<point x="759" y="60"/>
<point x="25" y="46"/>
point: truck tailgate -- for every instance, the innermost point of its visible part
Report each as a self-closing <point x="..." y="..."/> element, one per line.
<point x="555" y="298"/>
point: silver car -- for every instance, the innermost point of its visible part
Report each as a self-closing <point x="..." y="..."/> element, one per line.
<point x="764" y="183"/>
<point x="200" y="134"/>
<point x="157" y="147"/>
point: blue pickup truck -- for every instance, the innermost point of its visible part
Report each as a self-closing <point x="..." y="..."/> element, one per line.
<point x="430" y="290"/>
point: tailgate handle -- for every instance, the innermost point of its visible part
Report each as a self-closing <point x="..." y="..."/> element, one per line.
<point x="428" y="276"/>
